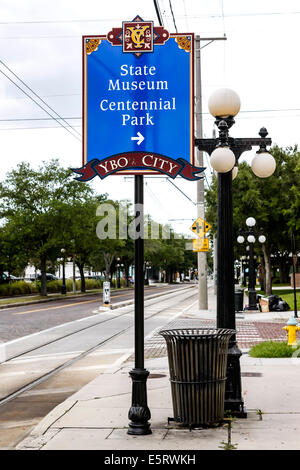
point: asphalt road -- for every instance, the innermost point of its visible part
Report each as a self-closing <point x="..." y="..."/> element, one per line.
<point x="53" y="371"/>
<point x="16" y="322"/>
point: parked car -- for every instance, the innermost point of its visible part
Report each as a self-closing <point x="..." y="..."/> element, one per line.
<point x="9" y="278"/>
<point x="49" y="277"/>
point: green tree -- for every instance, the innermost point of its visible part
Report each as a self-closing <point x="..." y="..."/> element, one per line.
<point x="274" y="202"/>
<point x="37" y="202"/>
<point x="13" y="257"/>
<point x="80" y="237"/>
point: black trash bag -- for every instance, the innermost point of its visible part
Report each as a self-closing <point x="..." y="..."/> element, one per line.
<point x="282" y="306"/>
<point x="273" y="302"/>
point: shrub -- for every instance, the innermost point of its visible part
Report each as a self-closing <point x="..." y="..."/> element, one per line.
<point x="5" y="290"/>
<point x="92" y="284"/>
<point x="17" y="288"/>
<point x="54" y="286"/>
<point x="272" y="349"/>
<point x="21" y="287"/>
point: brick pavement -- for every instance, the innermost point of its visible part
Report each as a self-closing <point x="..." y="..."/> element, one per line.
<point x="249" y="333"/>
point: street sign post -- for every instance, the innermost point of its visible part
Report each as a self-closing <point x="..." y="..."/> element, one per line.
<point x="200" y="227"/>
<point x="138" y="102"/>
<point x="106" y="292"/>
<point x="145" y="98"/>
<point x="138" y="118"/>
<point x="201" y="244"/>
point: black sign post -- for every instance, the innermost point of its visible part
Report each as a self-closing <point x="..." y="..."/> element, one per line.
<point x="138" y="118"/>
<point x="139" y="413"/>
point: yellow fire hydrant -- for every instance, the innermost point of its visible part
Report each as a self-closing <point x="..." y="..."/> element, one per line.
<point x="291" y="328"/>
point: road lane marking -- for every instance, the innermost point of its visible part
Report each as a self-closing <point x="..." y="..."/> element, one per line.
<point x="54" y="308"/>
<point x="63" y="306"/>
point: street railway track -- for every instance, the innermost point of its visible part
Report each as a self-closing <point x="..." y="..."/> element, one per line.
<point x="70" y="362"/>
<point x="85" y="328"/>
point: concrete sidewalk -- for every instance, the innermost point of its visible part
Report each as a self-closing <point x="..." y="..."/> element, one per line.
<point x="96" y="417"/>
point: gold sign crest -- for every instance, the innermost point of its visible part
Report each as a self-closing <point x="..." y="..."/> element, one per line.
<point x="138" y="36"/>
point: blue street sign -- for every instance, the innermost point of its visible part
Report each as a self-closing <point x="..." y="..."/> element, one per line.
<point x="138" y="103"/>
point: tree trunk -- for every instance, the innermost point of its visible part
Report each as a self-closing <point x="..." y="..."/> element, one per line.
<point x="126" y="269"/>
<point x="262" y="276"/>
<point x="284" y="270"/>
<point x="43" y="276"/>
<point x="82" y="278"/>
<point x="108" y="259"/>
<point x="268" y="271"/>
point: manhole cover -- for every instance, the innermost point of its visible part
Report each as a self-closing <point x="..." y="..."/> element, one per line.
<point x="156" y="376"/>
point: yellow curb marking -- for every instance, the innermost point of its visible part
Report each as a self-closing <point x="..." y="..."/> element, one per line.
<point x="63" y="306"/>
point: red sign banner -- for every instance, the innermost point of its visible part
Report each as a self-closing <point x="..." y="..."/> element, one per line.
<point x="138" y="160"/>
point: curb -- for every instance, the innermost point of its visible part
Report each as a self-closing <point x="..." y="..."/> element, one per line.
<point x="50" y="299"/>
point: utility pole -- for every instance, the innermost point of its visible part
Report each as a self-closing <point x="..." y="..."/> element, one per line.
<point x="202" y="257"/>
<point x="202" y="275"/>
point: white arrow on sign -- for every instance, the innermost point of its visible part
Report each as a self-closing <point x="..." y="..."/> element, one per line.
<point x="139" y="138"/>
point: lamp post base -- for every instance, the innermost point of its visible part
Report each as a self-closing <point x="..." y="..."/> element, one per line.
<point x="139" y="413"/>
<point x="233" y="391"/>
<point x="63" y="289"/>
<point x="252" y="300"/>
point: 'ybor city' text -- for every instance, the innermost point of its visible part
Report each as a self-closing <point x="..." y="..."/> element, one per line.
<point x="150" y="161"/>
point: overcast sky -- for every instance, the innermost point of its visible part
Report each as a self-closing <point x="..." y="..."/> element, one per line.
<point x="40" y="43"/>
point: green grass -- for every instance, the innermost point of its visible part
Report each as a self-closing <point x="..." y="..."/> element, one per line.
<point x="21" y="299"/>
<point x="284" y="284"/>
<point x="273" y="349"/>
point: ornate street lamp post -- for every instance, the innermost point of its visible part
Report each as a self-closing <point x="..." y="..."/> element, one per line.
<point x="118" y="273"/>
<point x="224" y="153"/>
<point x="73" y="261"/>
<point x="250" y="222"/>
<point x="63" y="287"/>
<point x="147" y="267"/>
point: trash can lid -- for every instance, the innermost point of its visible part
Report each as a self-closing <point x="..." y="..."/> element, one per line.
<point x="192" y="332"/>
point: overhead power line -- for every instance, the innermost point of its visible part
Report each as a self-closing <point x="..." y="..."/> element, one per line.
<point x="158" y="13"/>
<point x="36" y="119"/>
<point x="30" y="128"/>
<point x="107" y="20"/>
<point x="41" y="99"/>
<point x="171" y="8"/>
<point x="182" y="192"/>
<point x="32" y="99"/>
<point x="238" y="15"/>
<point x="98" y="20"/>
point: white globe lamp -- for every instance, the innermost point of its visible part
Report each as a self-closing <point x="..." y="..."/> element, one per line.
<point x="250" y="222"/>
<point x="240" y="239"/>
<point x="251" y="239"/>
<point x="234" y="172"/>
<point x="222" y="159"/>
<point x="224" y="102"/>
<point x="263" y="165"/>
<point x="262" y="239"/>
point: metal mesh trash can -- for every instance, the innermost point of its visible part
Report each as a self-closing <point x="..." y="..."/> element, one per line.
<point x="197" y="363"/>
<point x="239" y="300"/>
